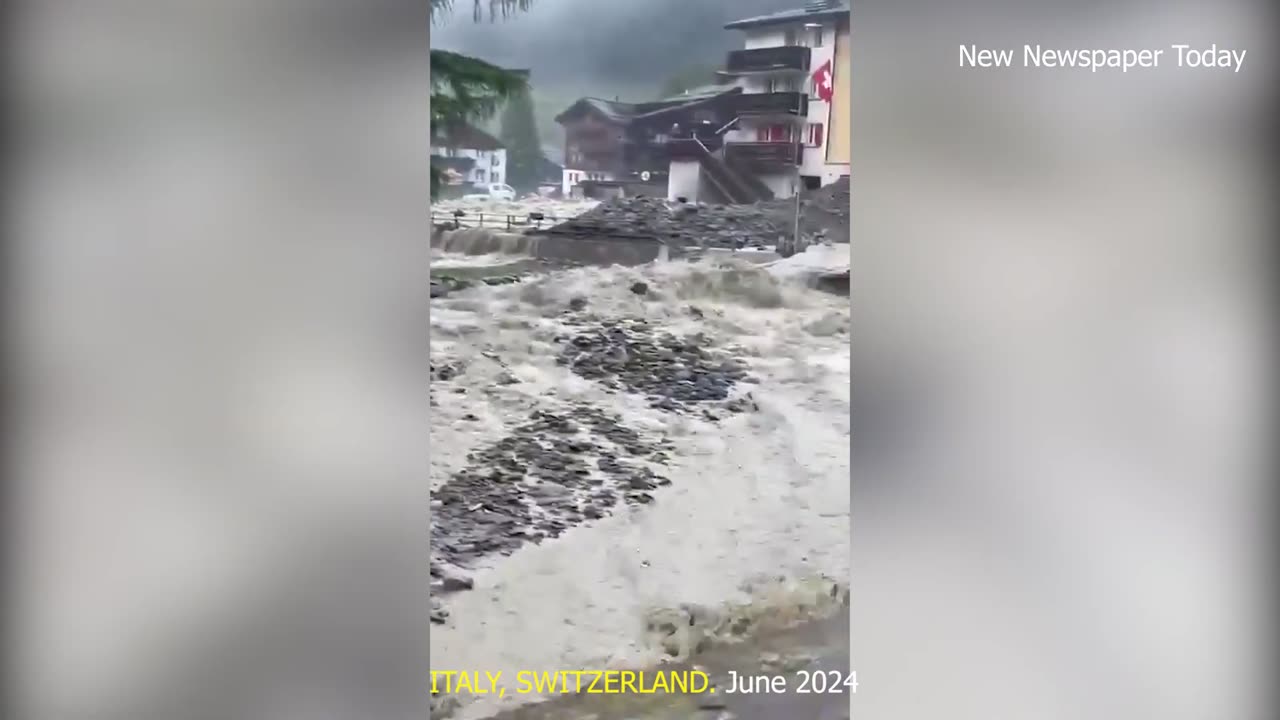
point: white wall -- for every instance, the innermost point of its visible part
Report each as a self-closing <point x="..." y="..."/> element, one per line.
<point x="819" y="111"/>
<point x="683" y="180"/>
<point x="765" y="37"/>
<point x="814" y="162"/>
<point x="570" y="178"/>
<point x="493" y="164"/>
<point x="782" y="185"/>
<point x="498" y="166"/>
<point x="832" y="173"/>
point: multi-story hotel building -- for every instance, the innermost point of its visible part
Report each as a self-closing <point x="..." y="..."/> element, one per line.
<point x="790" y="123"/>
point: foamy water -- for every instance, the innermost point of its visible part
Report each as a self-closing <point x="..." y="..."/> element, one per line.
<point x="815" y="259"/>
<point x="550" y="207"/>
<point x="759" y="494"/>
<point x="441" y="260"/>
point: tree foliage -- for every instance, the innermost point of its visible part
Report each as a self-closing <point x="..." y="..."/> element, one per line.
<point x="497" y="8"/>
<point x="466" y="89"/>
<point x="520" y="135"/>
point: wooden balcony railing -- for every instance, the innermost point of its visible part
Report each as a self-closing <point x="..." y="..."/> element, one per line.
<point x="775" y="103"/>
<point x="764" y="155"/>
<point x="766" y="60"/>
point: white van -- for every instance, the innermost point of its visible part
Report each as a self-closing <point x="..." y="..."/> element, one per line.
<point x="493" y="191"/>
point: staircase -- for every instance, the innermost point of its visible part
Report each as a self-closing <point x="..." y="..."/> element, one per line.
<point x="761" y="191"/>
<point x="733" y="185"/>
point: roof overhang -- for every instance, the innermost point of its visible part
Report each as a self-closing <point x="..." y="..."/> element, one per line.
<point x="788" y="18"/>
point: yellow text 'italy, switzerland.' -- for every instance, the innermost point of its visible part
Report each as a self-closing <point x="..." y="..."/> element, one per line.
<point x="592" y="682"/>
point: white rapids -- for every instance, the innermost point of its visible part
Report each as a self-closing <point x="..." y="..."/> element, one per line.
<point x="521" y="207"/>
<point x="760" y="495"/>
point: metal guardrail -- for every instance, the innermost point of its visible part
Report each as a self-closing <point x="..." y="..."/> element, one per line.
<point x="495" y="221"/>
<point x="545" y="224"/>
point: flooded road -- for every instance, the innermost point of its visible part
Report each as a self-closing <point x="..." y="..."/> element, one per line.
<point x="752" y="529"/>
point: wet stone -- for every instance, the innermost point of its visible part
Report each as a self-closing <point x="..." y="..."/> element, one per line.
<point x="446" y="371"/>
<point x="673" y="372"/>
<point x="686" y="226"/>
<point x="536" y="483"/>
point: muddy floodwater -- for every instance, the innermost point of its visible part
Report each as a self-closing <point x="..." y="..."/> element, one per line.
<point x="636" y="467"/>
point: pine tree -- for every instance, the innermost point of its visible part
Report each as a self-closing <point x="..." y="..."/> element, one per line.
<point x="520" y="135"/>
<point x="466" y="89"/>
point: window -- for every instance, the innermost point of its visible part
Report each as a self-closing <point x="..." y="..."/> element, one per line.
<point x="494" y="161"/>
<point x="789" y="37"/>
<point x="773" y="133"/>
<point x="782" y="85"/>
<point x="478" y="174"/>
<point x="815" y="134"/>
<point x="817" y="37"/>
<point x="493" y="176"/>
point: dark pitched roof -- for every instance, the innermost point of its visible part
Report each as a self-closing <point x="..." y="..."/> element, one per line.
<point x="620" y="113"/>
<point x="461" y="164"/>
<point x="688" y="101"/>
<point x="612" y="110"/>
<point x="699" y="93"/>
<point x="466" y="137"/>
<point x="818" y="11"/>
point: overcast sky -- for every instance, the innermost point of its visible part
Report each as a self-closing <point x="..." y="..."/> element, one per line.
<point x="604" y="47"/>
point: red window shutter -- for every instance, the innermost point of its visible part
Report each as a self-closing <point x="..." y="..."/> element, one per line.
<point x="777" y="133"/>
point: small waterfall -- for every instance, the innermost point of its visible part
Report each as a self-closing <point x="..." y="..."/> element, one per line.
<point x="478" y="241"/>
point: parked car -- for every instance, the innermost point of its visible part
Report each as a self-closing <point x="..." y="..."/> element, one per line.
<point x="493" y="191"/>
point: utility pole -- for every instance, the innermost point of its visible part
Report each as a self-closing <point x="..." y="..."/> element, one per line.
<point x="795" y="242"/>
<point x="797" y="122"/>
<point x="801" y="122"/>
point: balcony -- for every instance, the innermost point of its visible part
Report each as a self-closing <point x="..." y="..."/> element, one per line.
<point x="595" y="145"/>
<point x="768" y="61"/>
<point x="689" y="149"/>
<point x="653" y="158"/>
<point x="772" y="104"/>
<point x="764" y="156"/>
